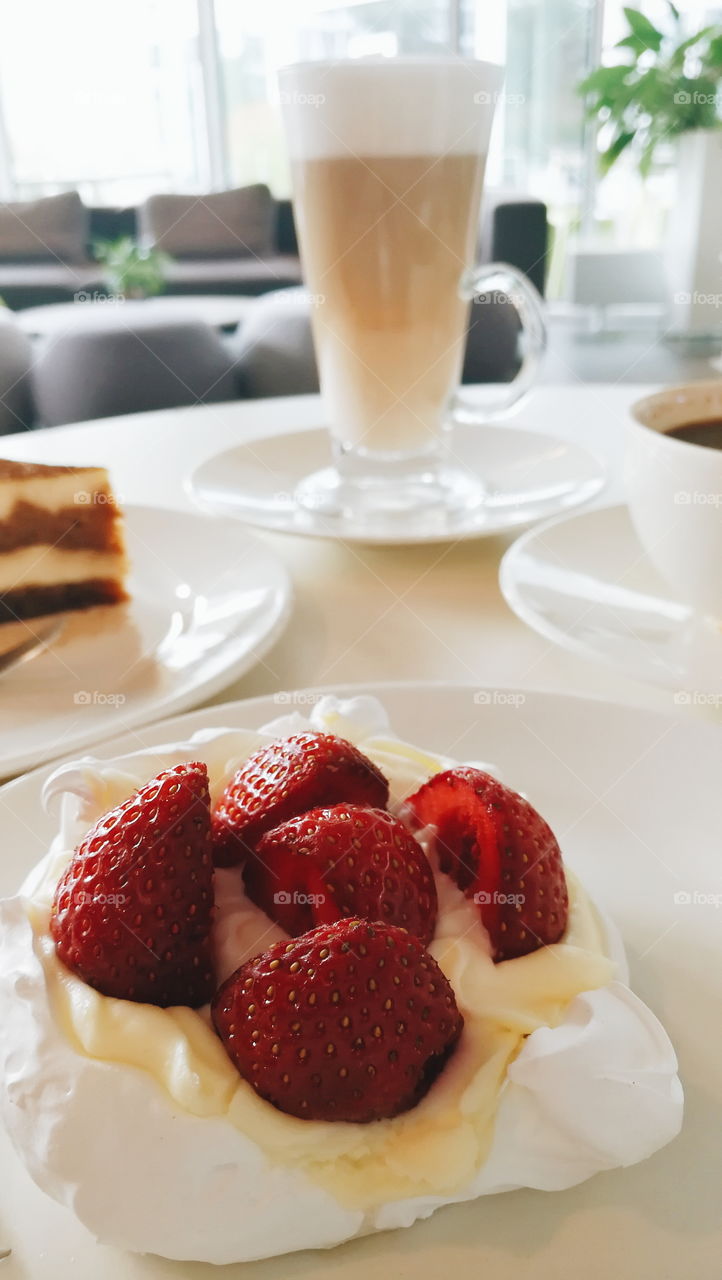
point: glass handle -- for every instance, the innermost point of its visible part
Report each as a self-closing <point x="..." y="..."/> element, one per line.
<point x="499" y="283"/>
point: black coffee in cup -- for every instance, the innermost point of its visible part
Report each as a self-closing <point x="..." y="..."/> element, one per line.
<point x="707" y="433"/>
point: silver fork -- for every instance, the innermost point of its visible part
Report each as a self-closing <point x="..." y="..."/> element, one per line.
<point x="29" y="643"/>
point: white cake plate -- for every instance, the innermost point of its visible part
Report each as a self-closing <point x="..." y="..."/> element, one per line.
<point x="207" y="600"/>
<point x="635" y="798"/>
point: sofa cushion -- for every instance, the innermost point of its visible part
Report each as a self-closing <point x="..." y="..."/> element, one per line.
<point x="54" y="228"/>
<point x="232" y="275"/>
<point x="237" y="223"/>
<point x="130" y="366"/>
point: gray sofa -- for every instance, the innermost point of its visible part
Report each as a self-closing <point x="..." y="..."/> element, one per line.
<point x="38" y="270"/>
<point x="54" y="262"/>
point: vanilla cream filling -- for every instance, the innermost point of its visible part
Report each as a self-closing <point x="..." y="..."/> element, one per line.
<point x="52" y="493"/>
<point x="433" y="1149"/>
<point x="41" y="565"/>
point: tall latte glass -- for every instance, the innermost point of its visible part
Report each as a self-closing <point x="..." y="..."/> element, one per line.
<point x="388" y="163"/>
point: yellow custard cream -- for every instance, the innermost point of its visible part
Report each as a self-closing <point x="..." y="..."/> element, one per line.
<point x="436" y="1147"/>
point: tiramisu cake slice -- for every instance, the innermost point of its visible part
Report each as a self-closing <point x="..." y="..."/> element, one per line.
<point x="61" y="540"/>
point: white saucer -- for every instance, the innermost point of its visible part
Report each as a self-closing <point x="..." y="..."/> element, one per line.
<point x="207" y="601"/>
<point x="528" y="476"/>
<point x="585" y="582"/>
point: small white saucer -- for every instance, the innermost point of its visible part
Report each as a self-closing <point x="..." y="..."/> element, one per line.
<point x="585" y="582"/>
<point x="526" y="476"/>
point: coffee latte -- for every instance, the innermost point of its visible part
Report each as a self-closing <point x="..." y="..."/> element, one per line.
<point x="385" y="240"/>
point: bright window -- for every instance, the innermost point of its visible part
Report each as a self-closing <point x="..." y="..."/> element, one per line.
<point x="161" y="95"/>
<point x="103" y="98"/>
<point x="255" y="39"/>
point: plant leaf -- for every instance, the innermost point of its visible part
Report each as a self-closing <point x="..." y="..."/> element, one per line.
<point x="605" y="86"/>
<point x="645" y="30"/>
<point x="714" y="52"/>
<point x="614" y="150"/>
<point x="635" y="43"/>
<point x="647" y="157"/>
<point x="677" y="57"/>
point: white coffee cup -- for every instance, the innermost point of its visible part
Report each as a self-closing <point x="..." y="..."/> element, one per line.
<point x="674" y="491"/>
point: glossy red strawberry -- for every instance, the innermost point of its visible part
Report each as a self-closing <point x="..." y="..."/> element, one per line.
<point x="502" y="853"/>
<point x="353" y="1021"/>
<point x="345" y="861"/>
<point x="286" y="778"/>
<point x="132" y="913"/>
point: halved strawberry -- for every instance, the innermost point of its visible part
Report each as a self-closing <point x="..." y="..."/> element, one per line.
<point x="348" y="860"/>
<point x="501" y="852"/>
<point x="353" y="1021"/>
<point x="286" y="778"/>
<point x="133" y="910"/>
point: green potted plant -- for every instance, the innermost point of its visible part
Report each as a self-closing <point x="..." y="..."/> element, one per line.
<point x="131" y="271"/>
<point x="662" y="100"/>
<point x="665" y="85"/>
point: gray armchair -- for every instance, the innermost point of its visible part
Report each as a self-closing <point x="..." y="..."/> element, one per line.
<point x="16" y="357"/>
<point x="103" y="371"/>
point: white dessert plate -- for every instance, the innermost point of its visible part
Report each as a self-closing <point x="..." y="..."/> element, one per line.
<point x="527" y="476"/>
<point x="634" y="798"/>
<point x="207" y="601"/>
<point x="585" y="582"/>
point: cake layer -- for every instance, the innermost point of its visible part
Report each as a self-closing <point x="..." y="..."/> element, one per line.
<point x="52" y="488"/>
<point x="33" y="602"/>
<point x="93" y="526"/>
<point x="41" y="566"/>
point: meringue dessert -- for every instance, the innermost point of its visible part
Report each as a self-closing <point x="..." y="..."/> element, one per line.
<point x="357" y="985"/>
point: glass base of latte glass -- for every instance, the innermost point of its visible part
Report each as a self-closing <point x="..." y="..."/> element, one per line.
<point x="392" y="490"/>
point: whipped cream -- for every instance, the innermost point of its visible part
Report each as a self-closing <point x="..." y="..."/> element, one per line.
<point x="561" y="1070"/>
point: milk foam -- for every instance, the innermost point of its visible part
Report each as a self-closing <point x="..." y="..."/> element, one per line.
<point x="389" y="107"/>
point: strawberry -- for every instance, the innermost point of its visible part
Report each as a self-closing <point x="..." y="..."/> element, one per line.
<point x="352" y="1021"/>
<point x="132" y="912"/>
<point x="348" y="860"/>
<point x="500" y="851"/>
<point x="286" y="778"/>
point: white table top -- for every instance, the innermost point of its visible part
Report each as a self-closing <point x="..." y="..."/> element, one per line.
<point x="221" y="311"/>
<point x="363" y="613"/>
